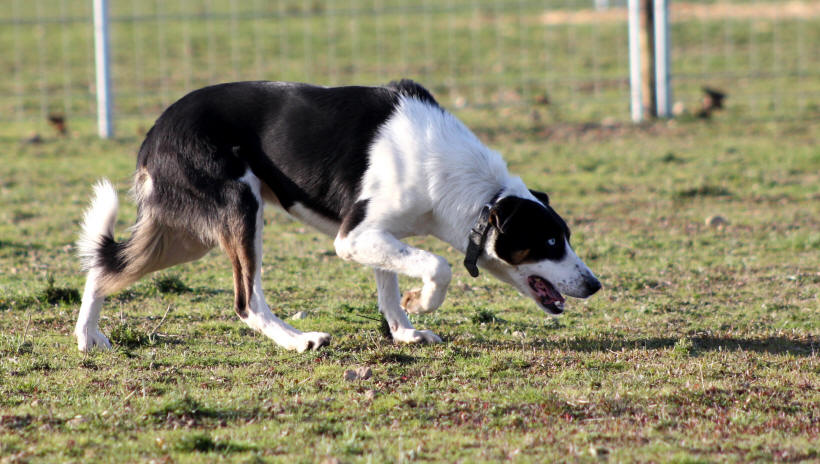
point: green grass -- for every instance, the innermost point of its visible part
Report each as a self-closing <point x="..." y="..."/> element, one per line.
<point x="702" y="346"/>
<point x="471" y="53"/>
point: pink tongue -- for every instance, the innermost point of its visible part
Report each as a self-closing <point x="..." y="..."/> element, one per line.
<point x="545" y="291"/>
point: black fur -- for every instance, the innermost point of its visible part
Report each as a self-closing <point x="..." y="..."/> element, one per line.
<point x="354" y="217"/>
<point x="541" y="196"/>
<point x="111" y="256"/>
<point x="308" y="144"/>
<point x="410" y="88"/>
<point x="524" y="230"/>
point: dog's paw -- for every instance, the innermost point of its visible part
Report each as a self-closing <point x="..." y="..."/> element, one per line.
<point x="415" y="336"/>
<point x="411" y="302"/>
<point x="312" y="341"/>
<point x="88" y="339"/>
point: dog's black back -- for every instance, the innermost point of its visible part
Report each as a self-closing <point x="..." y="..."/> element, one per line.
<point x="218" y="132"/>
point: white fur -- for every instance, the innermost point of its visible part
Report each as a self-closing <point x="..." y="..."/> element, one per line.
<point x="401" y="329"/>
<point x="98" y="221"/>
<point x="87" y="331"/>
<point x="313" y="219"/>
<point x="260" y="317"/>
<point x="568" y="275"/>
<point x="429" y="174"/>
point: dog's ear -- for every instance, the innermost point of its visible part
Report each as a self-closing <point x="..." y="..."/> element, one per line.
<point x="503" y="211"/>
<point x="541" y="196"/>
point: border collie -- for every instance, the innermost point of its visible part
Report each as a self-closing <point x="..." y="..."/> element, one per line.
<point x="366" y="165"/>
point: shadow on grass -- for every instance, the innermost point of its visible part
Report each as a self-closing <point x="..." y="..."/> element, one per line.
<point x="151" y="289"/>
<point x="189" y="412"/>
<point x="393" y="358"/>
<point x="50" y="295"/>
<point x="694" y="344"/>
<point x="771" y="345"/>
<point x="203" y="443"/>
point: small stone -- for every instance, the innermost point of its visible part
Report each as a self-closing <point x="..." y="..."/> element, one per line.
<point x="364" y="372"/>
<point x="77" y="420"/>
<point x="299" y="315"/>
<point x="519" y="334"/>
<point x="717" y="221"/>
<point x="360" y="373"/>
<point x="370" y="394"/>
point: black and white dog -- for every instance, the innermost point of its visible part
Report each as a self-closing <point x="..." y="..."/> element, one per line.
<point x="366" y="165"/>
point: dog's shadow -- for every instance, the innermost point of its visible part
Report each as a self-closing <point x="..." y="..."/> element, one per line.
<point x="700" y="343"/>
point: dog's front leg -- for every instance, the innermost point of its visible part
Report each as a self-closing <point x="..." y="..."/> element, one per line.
<point x="401" y="328"/>
<point x="389" y="256"/>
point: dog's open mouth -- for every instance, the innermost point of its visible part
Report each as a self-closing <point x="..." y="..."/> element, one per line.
<point x="546" y="294"/>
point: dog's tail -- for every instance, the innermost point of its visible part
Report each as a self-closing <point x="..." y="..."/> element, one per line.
<point x="96" y="242"/>
<point x="116" y="264"/>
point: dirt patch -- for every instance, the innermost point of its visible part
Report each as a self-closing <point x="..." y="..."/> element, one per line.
<point x="580" y="131"/>
<point x="682" y="11"/>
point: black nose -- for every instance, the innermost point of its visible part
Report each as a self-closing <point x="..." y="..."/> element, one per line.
<point x="593" y="285"/>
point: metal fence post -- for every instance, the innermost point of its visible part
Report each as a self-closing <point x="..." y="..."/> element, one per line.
<point x="101" y="58"/>
<point x="663" y="90"/>
<point x="635" y="103"/>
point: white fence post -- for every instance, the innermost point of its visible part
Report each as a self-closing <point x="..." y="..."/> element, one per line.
<point x="104" y="98"/>
<point x="635" y="102"/>
<point x="663" y="91"/>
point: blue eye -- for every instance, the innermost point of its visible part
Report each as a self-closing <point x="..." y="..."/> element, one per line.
<point x="551" y="242"/>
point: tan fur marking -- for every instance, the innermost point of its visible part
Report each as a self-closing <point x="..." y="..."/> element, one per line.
<point x="241" y="300"/>
<point x="243" y="273"/>
<point x="143" y="185"/>
<point x="268" y="195"/>
<point x="519" y="256"/>
<point x="150" y="248"/>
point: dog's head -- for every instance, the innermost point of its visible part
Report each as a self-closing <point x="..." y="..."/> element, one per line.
<point x="527" y="245"/>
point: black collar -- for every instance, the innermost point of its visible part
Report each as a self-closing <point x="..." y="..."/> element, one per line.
<point x="478" y="236"/>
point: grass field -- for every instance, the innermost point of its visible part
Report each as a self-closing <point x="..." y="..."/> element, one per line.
<point x="469" y="52"/>
<point x="702" y="346"/>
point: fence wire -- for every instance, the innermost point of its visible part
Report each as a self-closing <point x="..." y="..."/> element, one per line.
<point x="568" y="57"/>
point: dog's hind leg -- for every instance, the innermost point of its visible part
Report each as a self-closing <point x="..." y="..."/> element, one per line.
<point x="113" y="265"/>
<point x="241" y="238"/>
<point x="87" y="329"/>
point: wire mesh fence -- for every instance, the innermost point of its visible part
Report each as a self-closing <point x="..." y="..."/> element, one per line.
<point x="568" y="57"/>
